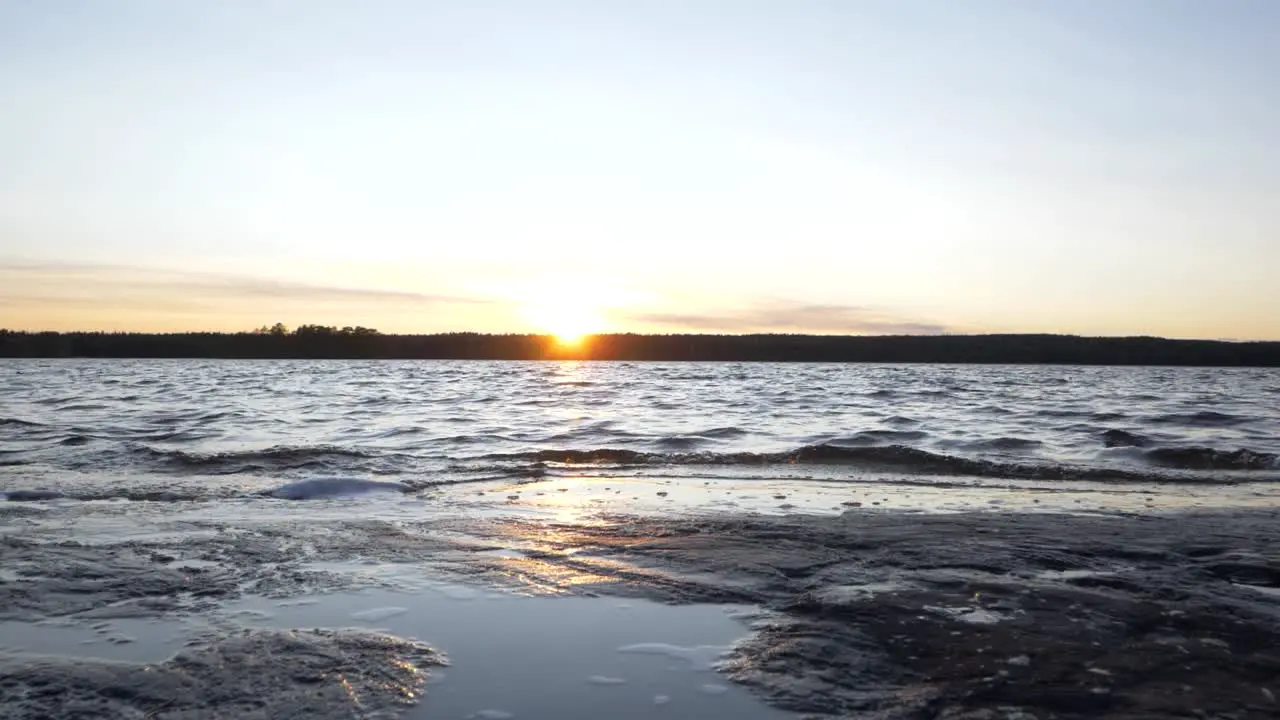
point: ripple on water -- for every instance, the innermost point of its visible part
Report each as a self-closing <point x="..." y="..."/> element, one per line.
<point x="359" y="419"/>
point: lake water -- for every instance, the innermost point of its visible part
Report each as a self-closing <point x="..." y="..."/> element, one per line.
<point x="570" y="535"/>
<point x="64" y="423"/>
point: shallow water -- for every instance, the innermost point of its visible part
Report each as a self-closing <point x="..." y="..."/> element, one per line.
<point x="554" y="657"/>
<point x="64" y="424"/>
<point x="509" y="656"/>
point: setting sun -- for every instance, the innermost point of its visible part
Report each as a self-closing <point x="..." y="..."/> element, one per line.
<point x="569" y="322"/>
<point x="571" y="307"/>
<point x="569" y="339"/>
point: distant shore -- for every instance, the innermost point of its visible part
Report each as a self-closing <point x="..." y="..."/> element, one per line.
<point x="318" y="342"/>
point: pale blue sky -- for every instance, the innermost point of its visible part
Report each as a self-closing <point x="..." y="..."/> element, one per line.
<point x="1091" y="166"/>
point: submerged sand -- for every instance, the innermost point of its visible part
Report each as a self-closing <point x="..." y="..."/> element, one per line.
<point x="1007" y="611"/>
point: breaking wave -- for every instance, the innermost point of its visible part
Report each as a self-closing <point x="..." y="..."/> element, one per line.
<point x="1203" y="458"/>
<point x="906" y="459"/>
<point x="281" y="457"/>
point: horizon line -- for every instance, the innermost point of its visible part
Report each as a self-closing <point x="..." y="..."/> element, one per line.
<point x="585" y="336"/>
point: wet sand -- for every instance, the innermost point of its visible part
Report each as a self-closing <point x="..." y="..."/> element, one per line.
<point x="977" y="602"/>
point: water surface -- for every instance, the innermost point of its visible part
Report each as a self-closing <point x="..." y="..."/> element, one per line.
<point x="430" y="422"/>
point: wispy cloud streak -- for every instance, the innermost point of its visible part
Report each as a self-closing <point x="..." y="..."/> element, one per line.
<point x="91" y="297"/>
<point x="793" y="317"/>
<point x="48" y="280"/>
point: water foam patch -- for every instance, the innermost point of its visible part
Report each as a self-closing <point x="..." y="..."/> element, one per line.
<point x="324" y="488"/>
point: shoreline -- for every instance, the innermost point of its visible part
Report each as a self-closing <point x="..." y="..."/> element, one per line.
<point x="314" y="342"/>
<point x="974" y="612"/>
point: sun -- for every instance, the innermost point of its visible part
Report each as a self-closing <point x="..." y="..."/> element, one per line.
<point x="568" y="308"/>
<point x="567" y="321"/>
<point x="569" y="339"/>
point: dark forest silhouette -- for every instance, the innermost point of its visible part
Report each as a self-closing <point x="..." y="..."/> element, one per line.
<point x="317" y="341"/>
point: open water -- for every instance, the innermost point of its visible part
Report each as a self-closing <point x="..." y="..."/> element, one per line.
<point x="339" y="425"/>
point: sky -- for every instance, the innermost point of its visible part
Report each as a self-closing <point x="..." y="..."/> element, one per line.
<point x="832" y="166"/>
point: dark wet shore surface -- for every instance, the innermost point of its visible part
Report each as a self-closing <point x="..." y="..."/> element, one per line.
<point x="864" y="614"/>
<point x="975" y="615"/>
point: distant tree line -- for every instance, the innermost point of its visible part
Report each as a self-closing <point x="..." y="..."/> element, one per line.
<point x="317" y="341"/>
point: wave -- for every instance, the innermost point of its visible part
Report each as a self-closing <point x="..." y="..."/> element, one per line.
<point x="728" y="431"/>
<point x="1203" y="418"/>
<point x="1203" y="458"/>
<point x="1003" y="444"/>
<point x="878" y="437"/>
<point x="1123" y="438"/>
<point x="19" y="422"/>
<point x="601" y="456"/>
<point x="402" y="431"/>
<point x="281" y="457"/>
<point x="131" y="494"/>
<point x="310" y="489"/>
<point x="680" y="442"/>
<point x="176" y="436"/>
<point x="1065" y="413"/>
<point x="903" y="458"/>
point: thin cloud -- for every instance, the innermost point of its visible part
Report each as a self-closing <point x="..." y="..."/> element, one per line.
<point x="55" y="296"/>
<point x="46" y="281"/>
<point x="794" y="318"/>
